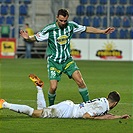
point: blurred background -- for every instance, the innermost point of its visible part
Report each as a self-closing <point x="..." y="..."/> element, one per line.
<point x="38" y="13"/>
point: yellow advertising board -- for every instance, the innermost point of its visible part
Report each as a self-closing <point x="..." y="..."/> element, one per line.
<point x="7" y="47"/>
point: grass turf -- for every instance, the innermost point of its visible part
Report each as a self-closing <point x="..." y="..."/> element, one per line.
<point x="101" y="78"/>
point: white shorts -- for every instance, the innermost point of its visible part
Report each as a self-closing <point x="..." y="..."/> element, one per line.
<point x="61" y="110"/>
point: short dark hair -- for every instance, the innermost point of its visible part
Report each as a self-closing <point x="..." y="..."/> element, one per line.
<point x="63" y="12"/>
<point x="114" y="96"/>
<point x="26" y="24"/>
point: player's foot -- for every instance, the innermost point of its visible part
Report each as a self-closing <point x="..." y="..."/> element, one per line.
<point x="1" y="103"/>
<point x="36" y="80"/>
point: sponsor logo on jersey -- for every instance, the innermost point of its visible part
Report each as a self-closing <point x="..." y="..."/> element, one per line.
<point x="81" y="105"/>
<point x="62" y="39"/>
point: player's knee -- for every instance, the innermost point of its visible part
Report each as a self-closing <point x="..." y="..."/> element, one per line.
<point x="81" y="83"/>
<point x="53" y="88"/>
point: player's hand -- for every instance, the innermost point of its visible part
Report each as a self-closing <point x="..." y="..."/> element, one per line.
<point x="125" y="116"/>
<point x="109" y="30"/>
<point x="24" y="34"/>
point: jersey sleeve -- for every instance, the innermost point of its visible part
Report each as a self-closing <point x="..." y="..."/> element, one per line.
<point x="40" y="36"/>
<point x="77" y="27"/>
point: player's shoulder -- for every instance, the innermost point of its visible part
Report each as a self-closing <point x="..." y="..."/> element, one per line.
<point x="49" y="27"/>
<point x="73" y="23"/>
<point x="103" y="100"/>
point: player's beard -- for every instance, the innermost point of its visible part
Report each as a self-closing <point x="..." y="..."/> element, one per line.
<point x="62" y="26"/>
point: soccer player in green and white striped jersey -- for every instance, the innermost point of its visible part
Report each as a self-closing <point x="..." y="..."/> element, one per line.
<point x="59" y="34"/>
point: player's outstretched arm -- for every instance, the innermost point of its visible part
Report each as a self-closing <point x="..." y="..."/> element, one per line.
<point x="111" y="117"/>
<point x="25" y="35"/>
<point x="99" y="31"/>
<point x="87" y="116"/>
<point x="106" y="117"/>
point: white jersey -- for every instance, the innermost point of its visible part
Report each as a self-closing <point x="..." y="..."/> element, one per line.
<point x="67" y="109"/>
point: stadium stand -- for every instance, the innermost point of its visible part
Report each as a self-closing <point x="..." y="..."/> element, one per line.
<point x="2" y="20"/>
<point x="86" y="21"/>
<point x="83" y="35"/>
<point x="21" y="19"/>
<point x="112" y="10"/>
<point x="92" y="35"/>
<point x="96" y="21"/>
<point x="4" y="9"/>
<point x="123" y="33"/>
<point x="13" y="32"/>
<point x="7" y="10"/>
<point x="129" y="10"/>
<point x="74" y="35"/>
<point x="126" y="22"/>
<point x="116" y="21"/>
<point x="104" y="22"/>
<point x="123" y="2"/>
<point x="8" y="1"/>
<point x="102" y="36"/>
<point x="100" y="10"/>
<point x="94" y="2"/>
<point x="10" y="20"/>
<point x="23" y="10"/>
<point x="7" y="24"/>
<point x="114" y="35"/>
<point x="27" y="1"/>
<point x="113" y="2"/>
<point x="90" y="10"/>
<point x="103" y="2"/>
<point x="131" y="2"/>
<point x="77" y="19"/>
<point x="80" y="10"/>
<point x="38" y="51"/>
<point x="5" y="31"/>
<point x="12" y="9"/>
<point x="87" y="12"/>
<point x="120" y="10"/>
<point x="131" y="33"/>
<point x="94" y="14"/>
<point x="83" y="2"/>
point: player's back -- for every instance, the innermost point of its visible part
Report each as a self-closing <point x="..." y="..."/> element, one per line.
<point x="94" y="107"/>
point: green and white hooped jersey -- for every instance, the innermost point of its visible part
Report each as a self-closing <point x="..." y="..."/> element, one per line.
<point x="58" y="48"/>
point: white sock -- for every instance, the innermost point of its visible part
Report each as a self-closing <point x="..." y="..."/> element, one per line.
<point x="41" y="103"/>
<point x="6" y="105"/>
<point x="19" y="108"/>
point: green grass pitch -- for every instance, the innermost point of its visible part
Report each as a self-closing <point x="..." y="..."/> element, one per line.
<point x="101" y="77"/>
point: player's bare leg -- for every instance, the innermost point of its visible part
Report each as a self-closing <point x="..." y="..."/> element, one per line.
<point x="52" y="91"/>
<point x="83" y="90"/>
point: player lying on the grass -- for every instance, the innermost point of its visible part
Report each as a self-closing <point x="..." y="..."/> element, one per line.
<point x="93" y="109"/>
